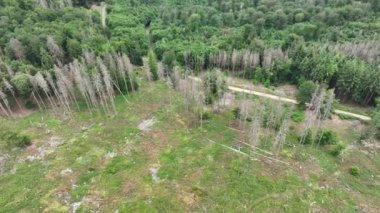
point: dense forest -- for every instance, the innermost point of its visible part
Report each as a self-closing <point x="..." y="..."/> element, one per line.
<point x="333" y="42"/>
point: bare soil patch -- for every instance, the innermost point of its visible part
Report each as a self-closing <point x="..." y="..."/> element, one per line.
<point x="155" y="143"/>
<point x="147" y="124"/>
<point x="39" y="153"/>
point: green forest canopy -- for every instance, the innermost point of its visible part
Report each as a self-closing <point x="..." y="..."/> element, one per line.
<point x="334" y="42"/>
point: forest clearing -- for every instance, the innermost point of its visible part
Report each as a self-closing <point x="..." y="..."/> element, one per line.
<point x="189" y="106"/>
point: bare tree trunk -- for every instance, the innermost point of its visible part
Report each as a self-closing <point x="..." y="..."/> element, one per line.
<point x="9" y="87"/>
<point x="3" y="96"/>
<point x="5" y="112"/>
<point x="107" y="82"/>
<point x="280" y="137"/>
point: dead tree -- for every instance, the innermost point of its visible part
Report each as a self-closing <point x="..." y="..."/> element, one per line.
<point x="254" y="130"/>
<point x="313" y="115"/>
<point x="55" y="50"/>
<point x="9" y="87"/>
<point x="65" y="86"/>
<point x="8" y="110"/>
<point x="280" y="137"/>
<point x="42" y="83"/>
<point x="35" y="93"/>
<point x="17" y="48"/>
<point x="146" y="70"/>
<point x="107" y="82"/>
<point x="129" y="69"/>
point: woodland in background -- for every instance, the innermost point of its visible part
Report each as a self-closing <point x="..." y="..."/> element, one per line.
<point x="145" y="106"/>
<point x="333" y="42"/>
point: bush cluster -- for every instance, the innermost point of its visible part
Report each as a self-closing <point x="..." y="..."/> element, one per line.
<point x="14" y="139"/>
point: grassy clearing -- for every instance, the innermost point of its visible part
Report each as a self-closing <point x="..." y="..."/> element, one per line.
<point x="104" y="164"/>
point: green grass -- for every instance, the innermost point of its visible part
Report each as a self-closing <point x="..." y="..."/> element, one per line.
<point x="195" y="174"/>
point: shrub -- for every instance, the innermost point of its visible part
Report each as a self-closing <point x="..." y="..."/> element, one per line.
<point x="22" y="84"/>
<point x="16" y="139"/>
<point x="152" y="60"/>
<point x="354" y="171"/>
<point x="126" y="85"/>
<point x="205" y="116"/>
<point x="337" y="150"/>
<point x="326" y="137"/>
<point x="169" y="59"/>
<point x="298" y="116"/>
<point x="308" y="137"/>
<point x="236" y="112"/>
<point x="29" y="104"/>
<point x="215" y="85"/>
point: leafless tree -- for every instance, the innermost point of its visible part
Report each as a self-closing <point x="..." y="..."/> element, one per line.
<point x="4" y="98"/>
<point x="129" y="69"/>
<point x="175" y="77"/>
<point x="109" y="60"/>
<point x="88" y="57"/>
<point x="17" y="48"/>
<point x="280" y="136"/>
<point x="254" y="130"/>
<point x="368" y="50"/>
<point x="99" y="89"/>
<point x="65" y="86"/>
<point x="35" y="93"/>
<point x="107" y="83"/>
<point x="161" y="71"/>
<point x="89" y="89"/>
<point x="325" y="109"/>
<point x="42" y="3"/>
<point x="244" y="106"/>
<point x="54" y="89"/>
<point x="55" y="50"/>
<point x="41" y="82"/>
<point x="9" y="87"/>
<point x="79" y="81"/>
<point x="146" y="69"/>
<point x="121" y="69"/>
<point x="315" y="112"/>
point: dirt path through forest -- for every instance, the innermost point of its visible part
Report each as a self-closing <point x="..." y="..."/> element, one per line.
<point x="284" y="99"/>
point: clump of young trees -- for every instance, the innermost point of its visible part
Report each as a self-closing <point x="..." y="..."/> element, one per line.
<point x="318" y="109"/>
<point x="263" y="123"/>
<point x="197" y="93"/>
<point x="215" y="86"/>
<point x="193" y="97"/>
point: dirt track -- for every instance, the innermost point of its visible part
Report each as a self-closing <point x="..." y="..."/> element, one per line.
<point x="284" y="99"/>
